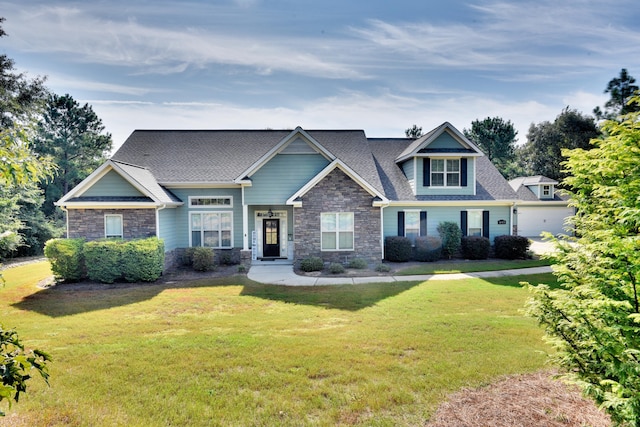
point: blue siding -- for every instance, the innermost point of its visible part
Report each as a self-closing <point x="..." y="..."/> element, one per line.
<point x="181" y="216"/>
<point x="112" y="184"/>
<point x="438" y="214"/>
<point x="408" y="169"/>
<point x="281" y="177"/>
<point x="436" y="191"/>
<point x="167" y="221"/>
<point x="445" y="141"/>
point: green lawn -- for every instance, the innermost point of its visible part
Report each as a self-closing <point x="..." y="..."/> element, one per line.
<point x="233" y="352"/>
<point x="443" y="267"/>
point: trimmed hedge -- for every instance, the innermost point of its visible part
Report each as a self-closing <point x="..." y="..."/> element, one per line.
<point x="358" y="264"/>
<point x="203" y="259"/>
<point x="106" y="261"/>
<point x="336" y="268"/>
<point x="428" y="248"/>
<point x="511" y="247"/>
<point x="66" y="257"/>
<point x="397" y="248"/>
<point x="313" y="263"/>
<point x="475" y="247"/>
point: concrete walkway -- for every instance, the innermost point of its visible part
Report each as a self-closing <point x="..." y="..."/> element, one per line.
<point x="284" y="275"/>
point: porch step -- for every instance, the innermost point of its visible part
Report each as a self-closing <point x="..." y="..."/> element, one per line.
<point x="272" y="261"/>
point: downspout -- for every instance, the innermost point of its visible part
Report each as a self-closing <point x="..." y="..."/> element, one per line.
<point x="66" y="217"/>
<point x="382" y="231"/>
<point x="163" y="206"/>
<point x="513" y="207"/>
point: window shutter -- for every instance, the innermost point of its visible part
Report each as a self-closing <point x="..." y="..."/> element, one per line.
<point x="423" y="223"/>
<point x="485" y="224"/>
<point x="463" y="172"/>
<point x="463" y="222"/>
<point x="401" y="223"/>
<point x="426" y="172"/>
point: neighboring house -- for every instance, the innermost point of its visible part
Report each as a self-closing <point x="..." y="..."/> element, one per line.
<point x="272" y="194"/>
<point x="541" y="207"/>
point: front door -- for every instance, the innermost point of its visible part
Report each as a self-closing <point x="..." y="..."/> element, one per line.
<point x="271" y="237"/>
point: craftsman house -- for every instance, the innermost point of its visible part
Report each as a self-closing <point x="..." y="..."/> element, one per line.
<point x="267" y="194"/>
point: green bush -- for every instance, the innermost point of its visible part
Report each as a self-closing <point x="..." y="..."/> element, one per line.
<point x="187" y="257"/>
<point x="311" y="264"/>
<point x="104" y="260"/>
<point x="451" y="236"/>
<point x="511" y="247"/>
<point x="66" y="257"/>
<point x="143" y="260"/>
<point x="475" y="247"/>
<point x="336" y="268"/>
<point x="397" y="249"/>
<point x="203" y="259"/>
<point x="428" y="248"/>
<point x="358" y="263"/>
<point x="383" y="268"/>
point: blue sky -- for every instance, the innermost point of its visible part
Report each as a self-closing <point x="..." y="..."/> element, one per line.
<point x="375" y="65"/>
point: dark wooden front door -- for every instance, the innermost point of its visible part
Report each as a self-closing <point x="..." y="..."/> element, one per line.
<point x="271" y="237"/>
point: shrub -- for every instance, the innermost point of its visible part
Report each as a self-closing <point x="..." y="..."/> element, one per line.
<point x="336" y="268"/>
<point x="311" y="264"/>
<point x="143" y="260"/>
<point x="476" y="247"/>
<point x="358" y="263"/>
<point x="383" y="268"/>
<point x="104" y="260"/>
<point x="511" y="247"/>
<point x="451" y="236"/>
<point x="428" y="248"/>
<point x="67" y="258"/>
<point x="187" y="256"/>
<point x="203" y="259"/>
<point x="397" y="248"/>
<point x="242" y="268"/>
<point x="226" y="257"/>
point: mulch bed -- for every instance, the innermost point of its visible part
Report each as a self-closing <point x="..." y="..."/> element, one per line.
<point x="530" y="400"/>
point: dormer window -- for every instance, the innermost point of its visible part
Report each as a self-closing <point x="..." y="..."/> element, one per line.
<point x="546" y="191"/>
<point x="445" y="172"/>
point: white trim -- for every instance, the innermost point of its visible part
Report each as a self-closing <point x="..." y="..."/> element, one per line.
<point x="475" y="176"/>
<point x="448" y="203"/>
<point x="121" y="235"/>
<point x="432" y="135"/>
<point x="283" y="237"/>
<point x="198" y="212"/>
<point x="280" y="146"/>
<point x="444" y="174"/>
<point x="337" y="232"/>
<point x="169" y="184"/>
<point x="326" y="171"/>
<point x="481" y="220"/>
<point x="113" y="205"/>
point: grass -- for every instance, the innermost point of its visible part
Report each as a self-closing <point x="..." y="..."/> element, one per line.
<point x="443" y="267"/>
<point x="233" y="352"/>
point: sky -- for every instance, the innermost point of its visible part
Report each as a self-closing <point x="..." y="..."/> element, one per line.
<point x="376" y="65"/>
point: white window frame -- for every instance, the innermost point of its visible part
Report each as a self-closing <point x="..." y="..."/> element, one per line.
<point x="114" y="236"/>
<point x="445" y="172"/>
<point x="220" y="230"/>
<point x="337" y="232"/>
<point x="545" y="191"/>
<point x="223" y="205"/>
<point x="470" y="215"/>
<point x="415" y="229"/>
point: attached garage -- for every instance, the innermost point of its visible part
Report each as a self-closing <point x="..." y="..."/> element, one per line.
<point x="533" y="220"/>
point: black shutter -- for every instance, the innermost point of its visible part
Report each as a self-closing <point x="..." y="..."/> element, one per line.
<point x="463" y="172"/>
<point x="485" y="224"/>
<point x="426" y="172"/>
<point x="463" y="222"/>
<point x="423" y="223"/>
<point x="401" y="223"/>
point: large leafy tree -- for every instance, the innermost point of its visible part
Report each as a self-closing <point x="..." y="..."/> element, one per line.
<point x="74" y="136"/>
<point x="542" y="153"/>
<point x="621" y="89"/>
<point x="496" y="138"/>
<point x="593" y="318"/>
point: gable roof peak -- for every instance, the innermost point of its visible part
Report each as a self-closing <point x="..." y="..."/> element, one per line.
<point x="425" y="140"/>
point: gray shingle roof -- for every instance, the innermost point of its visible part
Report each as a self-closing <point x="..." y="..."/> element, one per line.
<point x="525" y="194"/>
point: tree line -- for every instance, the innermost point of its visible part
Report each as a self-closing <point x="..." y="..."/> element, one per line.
<point x="541" y="154"/>
<point x="48" y="144"/>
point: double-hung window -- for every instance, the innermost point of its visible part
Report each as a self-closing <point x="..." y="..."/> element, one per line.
<point x="546" y="191"/>
<point x="474" y="223"/>
<point x="337" y="231"/>
<point x="211" y="229"/>
<point x="412" y="225"/>
<point x="113" y="226"/>
<point x="445" y="172"/>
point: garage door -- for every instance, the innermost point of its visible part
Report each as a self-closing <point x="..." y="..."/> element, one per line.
<point x="533" y="220"/>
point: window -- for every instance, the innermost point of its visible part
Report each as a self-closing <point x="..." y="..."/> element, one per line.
<point x="211" y="229"/>
<point x="445" y="172"/>
<point x="474" y="224"/>
<point x="337" y="231"/>
<point x="546" y="191"/>
<point x="207" y="202"/>
<point x="412" y="225"/>
<point x="113" y="226"/>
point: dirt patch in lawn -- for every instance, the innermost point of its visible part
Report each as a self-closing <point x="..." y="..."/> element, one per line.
<point x="530" y="400"/>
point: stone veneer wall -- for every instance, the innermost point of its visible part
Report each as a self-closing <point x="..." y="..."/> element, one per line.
<point x="89" y="223"/>
<point x="337" y="193"/>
